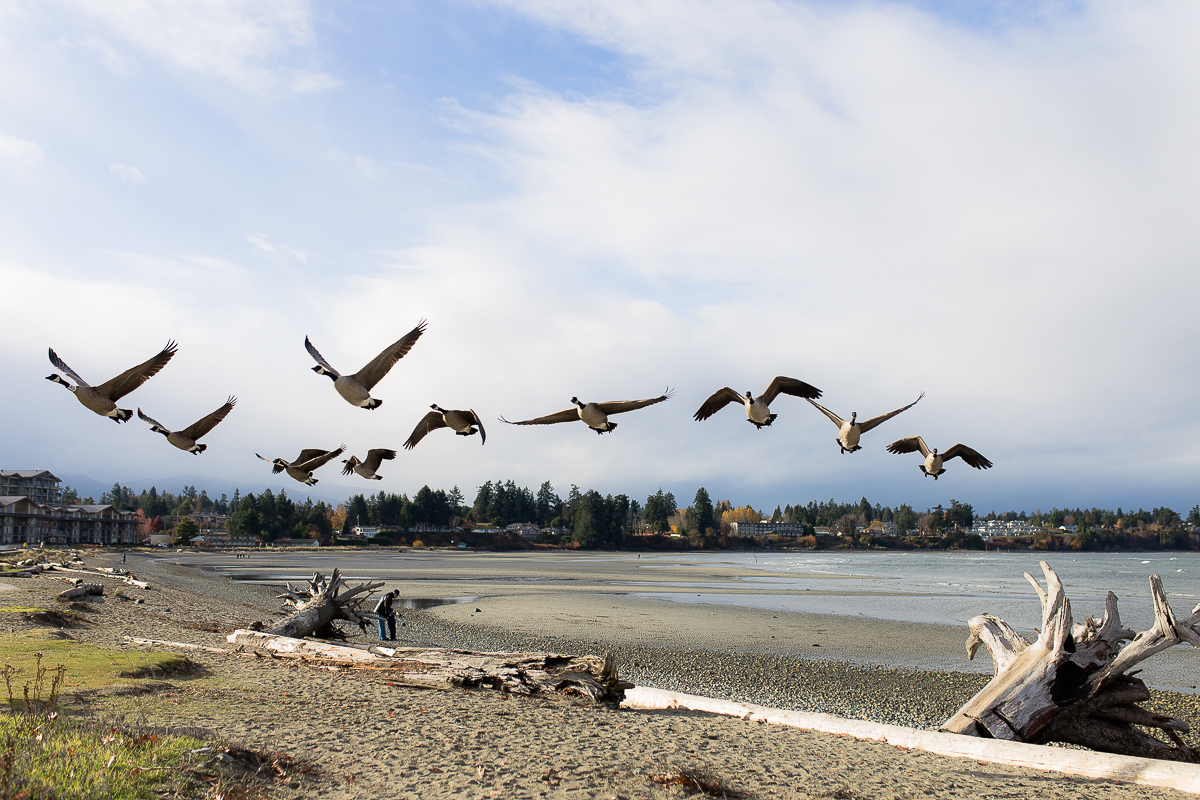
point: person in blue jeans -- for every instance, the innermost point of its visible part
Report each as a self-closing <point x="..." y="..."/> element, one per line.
<point x="385" y="614"/>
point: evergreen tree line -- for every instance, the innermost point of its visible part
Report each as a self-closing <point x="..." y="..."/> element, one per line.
<point x="591" y="519"/>
<point x="153" y="503"/>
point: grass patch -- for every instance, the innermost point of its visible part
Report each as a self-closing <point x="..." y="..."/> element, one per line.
<point x="51" y="757"/>
<point x="19" y="610"/>
<point x="90" y="667"/>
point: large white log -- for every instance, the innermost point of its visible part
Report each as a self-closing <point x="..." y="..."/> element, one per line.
<point x="1107" y="766"/>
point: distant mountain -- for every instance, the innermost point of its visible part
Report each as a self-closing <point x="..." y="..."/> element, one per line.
<point x="330" y="493"/>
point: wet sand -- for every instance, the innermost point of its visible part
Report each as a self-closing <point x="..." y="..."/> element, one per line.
<point x="369" y="739"/>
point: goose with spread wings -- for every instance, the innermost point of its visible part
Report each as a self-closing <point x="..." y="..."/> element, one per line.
<point x="356" y="388"/>
<point x="186" y="438"/>
<point x="594" y="414"/>
<point x="368" y="468"/>
<point x="934" y="460"/>
<point x="758" y="412"/>
<point x="102" y="399"/>
<point x="305" y="464"/>
<point x="463" y="423"/>
<point x="850" y="430"/>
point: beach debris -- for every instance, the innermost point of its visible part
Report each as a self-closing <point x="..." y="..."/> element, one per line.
<point x="586" y="676"/>
<point x="1072" y="684"/>
<point x="82" y="590"/>
<point x="316" y="606"/>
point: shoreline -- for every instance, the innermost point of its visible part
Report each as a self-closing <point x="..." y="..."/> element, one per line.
<point x="377" y="740"/>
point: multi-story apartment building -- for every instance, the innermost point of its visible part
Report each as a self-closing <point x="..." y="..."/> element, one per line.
<point x="23" y="521"/>
<point x="39" y="485"/>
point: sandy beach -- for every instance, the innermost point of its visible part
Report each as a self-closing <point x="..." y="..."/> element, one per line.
<point x="366" y="738"/>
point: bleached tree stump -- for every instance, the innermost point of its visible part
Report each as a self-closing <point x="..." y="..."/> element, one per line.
<point x="1070" y="685"/>
<point x="316" y="607"/>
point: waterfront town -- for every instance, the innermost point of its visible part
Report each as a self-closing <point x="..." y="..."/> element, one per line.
<point x="36" y="509"/>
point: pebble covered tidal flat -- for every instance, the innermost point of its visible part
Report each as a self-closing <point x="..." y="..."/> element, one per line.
<point x="803" y="679"/>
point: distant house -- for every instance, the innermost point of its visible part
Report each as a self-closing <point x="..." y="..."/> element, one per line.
<point x="792" y="529"/>
<point x="823" y="531"/>
<point x="526" y="530"/>
<point x="881" y="528"/>
<point x="296" y="543"/>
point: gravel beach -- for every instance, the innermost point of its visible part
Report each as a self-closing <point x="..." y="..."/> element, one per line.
<point x="369" y="739"/>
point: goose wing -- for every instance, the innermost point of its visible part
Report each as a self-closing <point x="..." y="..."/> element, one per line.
<point x="131" y="379"/>
<point x="376" y="457"/>
<point x="312" y="351"/>
<point x="151" y="421"/>
<point x="373" y="373"/>
<point x="61" y="366"/>
<point x="206" y="424"/>
<point x="909" y="444"/>
<point x="719" y="399"/>
<point x="475" y="421"/>
<point x="568" y="415"/>
<point x="316" y="458"/>
<point x="430" y="422"/>
<point x="621" y="406"/>
<point x="882" y="418"/>
<point x="973" y="457"/>
<point x="832" y="416"/>
<point x="795" y="388"/>
<point x="275" y="468"/>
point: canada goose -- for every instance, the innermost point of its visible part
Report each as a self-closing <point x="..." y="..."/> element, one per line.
<point x="356" y="388"/>
<point x="367" y="468"/>
<point x="305" y="464"/>
<point x="849" y="430"/>
<point x="758" y="412"/>
<point x="594" y="414"/>
<point x="102" y="399"/>
<point x="460" y="421"/>
<point x="186" y="438"/>
<point x="934" y="460"/>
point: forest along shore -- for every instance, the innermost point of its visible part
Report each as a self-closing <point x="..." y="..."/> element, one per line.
<point x="365" y="737"/>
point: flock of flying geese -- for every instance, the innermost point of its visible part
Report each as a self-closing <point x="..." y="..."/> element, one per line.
<point x="356" y="390"/>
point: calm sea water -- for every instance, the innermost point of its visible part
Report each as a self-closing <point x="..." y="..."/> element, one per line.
<point x="939" y="588"/>
<point x="948" y="588"/>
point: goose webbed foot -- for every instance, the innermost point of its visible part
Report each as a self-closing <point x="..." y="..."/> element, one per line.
<point x="463" y="433"/>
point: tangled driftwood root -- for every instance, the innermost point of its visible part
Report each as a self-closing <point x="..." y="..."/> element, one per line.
<point x="1073" y="684"/>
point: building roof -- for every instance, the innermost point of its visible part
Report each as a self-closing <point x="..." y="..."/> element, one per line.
<point x="29" y="473"/>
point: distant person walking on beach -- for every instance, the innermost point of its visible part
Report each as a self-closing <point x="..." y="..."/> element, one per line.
<point x="384" y="613"/>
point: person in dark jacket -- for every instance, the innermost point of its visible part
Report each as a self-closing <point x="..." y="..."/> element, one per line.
<point x="385" y="614"/>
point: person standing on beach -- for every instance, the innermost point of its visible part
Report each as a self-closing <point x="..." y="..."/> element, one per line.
<point x="384" y="613"/>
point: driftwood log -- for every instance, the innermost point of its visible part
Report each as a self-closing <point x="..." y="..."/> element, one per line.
<point x="316" y="606"/>
<point x="82" y="590"/>
<point x="438" y="668"/>
<point x="1071" y="684"/>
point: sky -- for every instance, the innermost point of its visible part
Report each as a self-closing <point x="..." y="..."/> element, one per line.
<point x="992" y="203"/>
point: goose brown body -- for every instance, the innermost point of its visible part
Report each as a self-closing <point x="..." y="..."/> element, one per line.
<point x="851" y="430"/>
<point x="102" y="399"/>
<point x="758" y="411"/>
<point x="934" y="461"/>
<point x="356" y="389"/>
<point x="463" y="423"/>
<point x="594" y="415"/>
<point x="305" y="464"/>
<point x="186" y="438"/>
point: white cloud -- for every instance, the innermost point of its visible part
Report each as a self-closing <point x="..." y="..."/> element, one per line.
<point x="18" y="151"/>
<point x="262" y="242"/>
<point x="126" y="173"/>
<point x="239" y="40"/>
